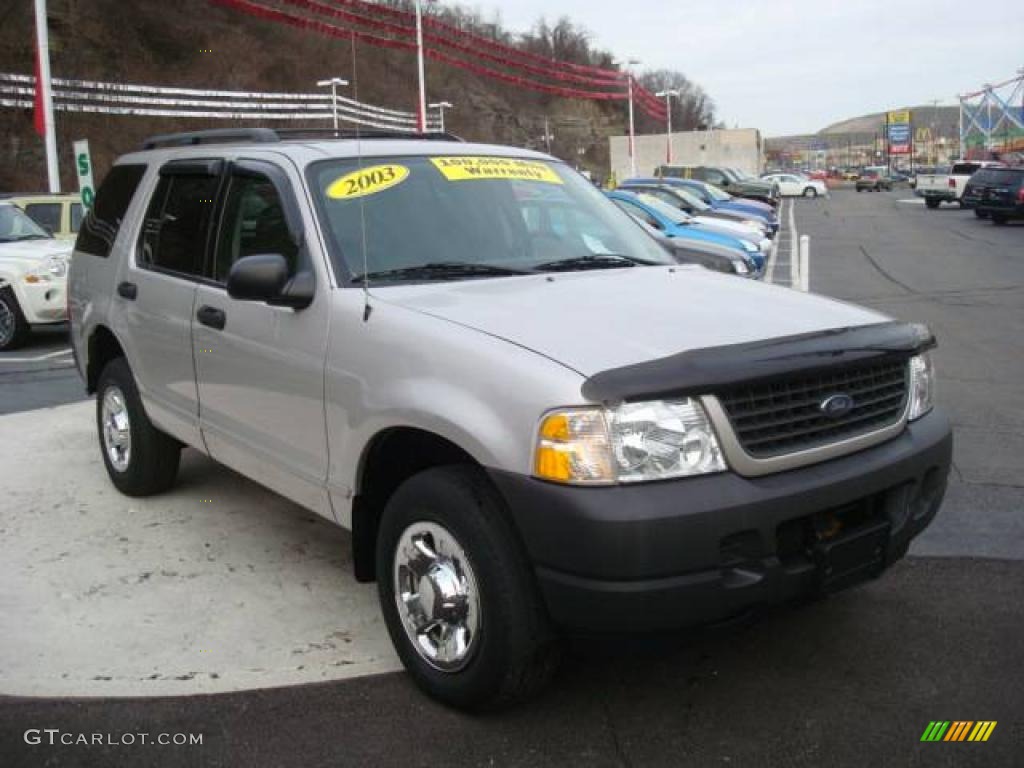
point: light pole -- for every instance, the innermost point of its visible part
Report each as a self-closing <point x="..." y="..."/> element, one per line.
<point x="334" y="82"/>
<point x="668" y="94"/>
<point x="421" y="111"/>
<point x="632" y="133"/>
<point x="441" y="106"/>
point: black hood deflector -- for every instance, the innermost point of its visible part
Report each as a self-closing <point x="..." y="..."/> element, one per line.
<point x="704" y="371"/>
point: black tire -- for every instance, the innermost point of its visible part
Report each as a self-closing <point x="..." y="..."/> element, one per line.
<point x="932" y="202"/>
<point x="516" y="652"/>
<point x="999" y="219"/>
<point x="810" y="192"/>
<point x="152" y="461"/>
<point x="859" y="189"/>
<point x="980" y="214"/>
<point x="14" y="328"/>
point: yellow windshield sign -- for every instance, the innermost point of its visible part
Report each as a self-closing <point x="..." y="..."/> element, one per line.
<point x="367" y="181"/>
<point x="472" y="168"/>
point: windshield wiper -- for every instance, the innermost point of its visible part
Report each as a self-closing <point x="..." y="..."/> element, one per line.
<point x="439" y="270"/>
<point x="590" y="261"/>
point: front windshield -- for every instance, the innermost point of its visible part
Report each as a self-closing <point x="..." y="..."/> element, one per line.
<point x="665" y="210"/>
<point x="717" y="193"/>
<point x="16" y="225"/>
<point x="489" y="213"/>
<point x="691" y="199"/>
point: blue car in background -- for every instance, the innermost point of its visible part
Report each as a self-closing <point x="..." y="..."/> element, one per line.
<point x="675" y="223"/>
<point x="718" y="199"/>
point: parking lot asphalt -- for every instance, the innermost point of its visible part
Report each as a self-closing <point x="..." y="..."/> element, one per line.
<point x="40" y="374"/>
<point x="853" y="680"/>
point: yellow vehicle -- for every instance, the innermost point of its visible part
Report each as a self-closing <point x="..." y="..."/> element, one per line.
<point x="60" y="215"/>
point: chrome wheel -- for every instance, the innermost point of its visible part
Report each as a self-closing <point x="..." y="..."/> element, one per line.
<point x="8" y="322"/>
<point x="116" y="427"/>
<point x="437" y="596"/>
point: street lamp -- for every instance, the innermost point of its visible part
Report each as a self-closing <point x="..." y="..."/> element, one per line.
<point x="421" y="112"/>
<point x="441" y="106"/>
<point x="632" y="133"/>
<point x="668" y="94"/>
<point x="334" y="82"/>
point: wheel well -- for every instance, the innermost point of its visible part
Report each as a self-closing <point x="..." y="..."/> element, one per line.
<point x="103" y="347"/>
<point x="392" y="457"/>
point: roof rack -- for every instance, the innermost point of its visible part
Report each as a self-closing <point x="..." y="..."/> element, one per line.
<point x="270" y="135"/>
<point x="365" y="133"/>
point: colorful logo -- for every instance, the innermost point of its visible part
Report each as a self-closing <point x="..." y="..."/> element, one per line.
<point x="958" y="730"/>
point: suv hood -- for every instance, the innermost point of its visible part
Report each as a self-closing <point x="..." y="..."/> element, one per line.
<point x="29" y="252"/>
<point x="595" y="320"/>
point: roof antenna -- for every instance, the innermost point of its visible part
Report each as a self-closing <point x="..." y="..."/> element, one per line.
<point x="367" y="308"/>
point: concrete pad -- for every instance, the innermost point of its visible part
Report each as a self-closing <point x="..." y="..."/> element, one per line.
<point x="218" y="585"/>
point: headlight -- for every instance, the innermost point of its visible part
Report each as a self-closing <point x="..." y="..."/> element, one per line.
<point x="54" y="266"/>
<point x="922" y="386"/>
<point x="634" y="442"/>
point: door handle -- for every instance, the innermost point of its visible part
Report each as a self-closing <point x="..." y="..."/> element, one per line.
<point x="127" y="291"/>
<point x="212" y="317"/>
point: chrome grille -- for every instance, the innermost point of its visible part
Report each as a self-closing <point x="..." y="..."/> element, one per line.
<point x="785" y="416"/>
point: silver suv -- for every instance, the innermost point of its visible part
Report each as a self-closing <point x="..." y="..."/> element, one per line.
<point x="532" y="421"/>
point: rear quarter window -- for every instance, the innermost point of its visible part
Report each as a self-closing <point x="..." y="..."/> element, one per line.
<point x="100" y="226"/>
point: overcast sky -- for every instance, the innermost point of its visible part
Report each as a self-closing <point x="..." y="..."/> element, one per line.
<point x="795" y="66"/>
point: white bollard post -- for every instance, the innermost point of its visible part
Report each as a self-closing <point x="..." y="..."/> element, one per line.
<point x="805" y="255"/>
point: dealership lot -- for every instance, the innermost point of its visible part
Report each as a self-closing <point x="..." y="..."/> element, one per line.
<point x="222" y="586"/>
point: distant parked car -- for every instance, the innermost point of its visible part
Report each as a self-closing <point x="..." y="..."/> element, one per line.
<point x="683" y="199"/>
<point x="850" y="174"/>
<point x="717" y="198"/>
<point x="725" y="178"/>
<point x="873" y="180"/>
<point x="674" y="223"/>
<point x="1002" y="194"/>
<point x="793" y="185"/>
<point x="59" y="215"/>
<point x="711" y="256"/>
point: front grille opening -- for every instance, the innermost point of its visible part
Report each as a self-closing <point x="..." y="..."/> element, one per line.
<point x="786" y="416"/>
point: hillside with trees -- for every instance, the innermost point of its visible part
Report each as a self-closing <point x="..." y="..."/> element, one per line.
<point x="203" y="44"/>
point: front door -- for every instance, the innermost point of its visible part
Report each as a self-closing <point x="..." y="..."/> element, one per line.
<point x="260" y="368"/>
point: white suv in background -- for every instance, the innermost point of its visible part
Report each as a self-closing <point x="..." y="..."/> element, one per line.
<point x="33" y="276"/>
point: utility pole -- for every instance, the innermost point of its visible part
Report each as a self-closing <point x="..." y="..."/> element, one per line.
<point x="668" y="94"/>
<point x="632" y="131"/>
<point x="44" y="89"/>
<point x="334" y="82"/>
<point x="547" y="135"/>
<point x="421" y="111"/>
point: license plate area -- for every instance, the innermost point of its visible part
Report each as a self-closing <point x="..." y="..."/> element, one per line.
<point x="851" y="557"/>
<point x="845" y="544"/>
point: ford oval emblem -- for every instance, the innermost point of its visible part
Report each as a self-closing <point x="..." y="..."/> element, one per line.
<point x="836" y="406"/>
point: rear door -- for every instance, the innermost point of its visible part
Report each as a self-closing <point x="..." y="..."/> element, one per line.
<point x="260" y="368"/>
<point x="155" y="292"/>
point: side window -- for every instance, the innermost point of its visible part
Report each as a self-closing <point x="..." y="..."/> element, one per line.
<point x="46" y="215"/>
<point x="714" y="177"/>
<point x="76" y="216"/>
<point x="100" y="226"/>
<point x="176" y="225"/>
<point x="253" y="222"/>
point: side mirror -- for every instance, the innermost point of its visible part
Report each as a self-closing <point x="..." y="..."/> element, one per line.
<point x="264" y="277"/>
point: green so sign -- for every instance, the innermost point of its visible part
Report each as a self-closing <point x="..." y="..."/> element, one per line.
<point x="83" y="167"/>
